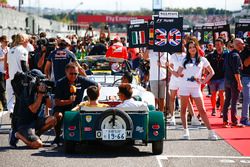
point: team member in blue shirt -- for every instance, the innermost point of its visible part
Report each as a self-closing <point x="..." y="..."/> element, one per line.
<point x="58" y="59"/>
<point x="69" y="93"/>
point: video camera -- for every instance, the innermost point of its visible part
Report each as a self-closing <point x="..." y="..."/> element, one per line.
<point x="106" y="27"/>
<point x="48" y="43"/>
<point x="90" y="28"/>
<point x="24" y="84"/>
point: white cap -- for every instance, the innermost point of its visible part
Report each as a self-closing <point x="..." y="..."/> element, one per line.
<point x="66" y="40"/>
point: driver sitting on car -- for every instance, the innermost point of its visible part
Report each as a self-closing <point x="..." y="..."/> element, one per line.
<point x="125" y="95"/>
<point x="93" y="93"/>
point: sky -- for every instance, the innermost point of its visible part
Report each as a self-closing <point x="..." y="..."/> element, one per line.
<point x="121" y="5"/>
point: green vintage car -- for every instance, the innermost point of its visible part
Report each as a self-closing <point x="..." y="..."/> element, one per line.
<point x="115" y="126"/>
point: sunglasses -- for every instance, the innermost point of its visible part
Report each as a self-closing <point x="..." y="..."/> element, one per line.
<point x="73" y="73"/>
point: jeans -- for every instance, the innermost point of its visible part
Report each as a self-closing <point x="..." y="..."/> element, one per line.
<point x="246" y="97"/>
<point x="232" y="95"/>
<point x="2" y="90"/>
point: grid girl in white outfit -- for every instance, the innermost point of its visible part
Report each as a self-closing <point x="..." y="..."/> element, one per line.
<point x="190" y="72"/>
<point x="175" y="61"/>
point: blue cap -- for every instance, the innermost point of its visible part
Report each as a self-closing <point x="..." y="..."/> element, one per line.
<point x="37" y="73"/>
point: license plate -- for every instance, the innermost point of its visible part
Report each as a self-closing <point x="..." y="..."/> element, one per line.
<point x="113" y="134"/>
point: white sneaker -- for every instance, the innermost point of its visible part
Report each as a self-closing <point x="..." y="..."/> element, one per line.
<point x="212" y="135"/>
<point x="186" y="135"/>
<point x="195" y="121"/>
<point x="172" y="121"/>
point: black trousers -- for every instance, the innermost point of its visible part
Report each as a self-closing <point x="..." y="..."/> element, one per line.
<point x="231" y="98"/>
<point x="3" y="90"/>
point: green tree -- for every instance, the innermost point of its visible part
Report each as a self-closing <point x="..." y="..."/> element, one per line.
<point x="3" y="1"/>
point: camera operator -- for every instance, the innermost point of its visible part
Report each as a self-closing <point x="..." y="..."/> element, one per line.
<point x="45" y="47"/>
<point x="40" y="53"/>
<point x="89" y="31"/>
<point x="29" y="124"/>
<point x="69" y="93"/>
<point x="103" y="32"/>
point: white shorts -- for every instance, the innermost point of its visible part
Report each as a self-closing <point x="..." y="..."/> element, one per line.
<point x="190" y="91"/>
<point x="173" y="85"/>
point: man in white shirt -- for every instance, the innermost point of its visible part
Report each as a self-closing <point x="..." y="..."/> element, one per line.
<point x="157" y="80"/>
<point x="17" y="61"/>
<point x="125" y="95"/>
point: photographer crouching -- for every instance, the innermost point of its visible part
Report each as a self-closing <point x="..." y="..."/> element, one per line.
<point x="31" y="97"/>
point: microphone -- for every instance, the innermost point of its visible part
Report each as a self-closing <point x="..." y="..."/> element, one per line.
<point x="72" y="89"/>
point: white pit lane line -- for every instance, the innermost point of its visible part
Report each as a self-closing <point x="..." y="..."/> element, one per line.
<point x="159" y="158"/>
<point x="224" y="159"/>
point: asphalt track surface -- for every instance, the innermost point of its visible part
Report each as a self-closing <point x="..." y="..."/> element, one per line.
<point x="197" y="152"/>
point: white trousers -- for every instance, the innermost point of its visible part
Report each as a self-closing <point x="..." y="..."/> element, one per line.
<point x="10" y="96"/>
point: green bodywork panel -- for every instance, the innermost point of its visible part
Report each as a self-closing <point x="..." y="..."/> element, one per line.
<point x="85" y="125"/>
<point x="72" y="118"/>
<point x="156" y="117"/>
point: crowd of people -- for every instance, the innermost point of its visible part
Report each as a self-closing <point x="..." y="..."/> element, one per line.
<point x="225" y="68"/>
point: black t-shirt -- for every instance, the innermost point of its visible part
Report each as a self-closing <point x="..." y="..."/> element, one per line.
<point x="244" y="55"/>
<point x="63" y="90"/>
<point x="208" y="51"/>
<point x="24" y="115"/>
<point x="216" y="61"/>
<point x="98" y="49"/>
<point x="232" y="66"/>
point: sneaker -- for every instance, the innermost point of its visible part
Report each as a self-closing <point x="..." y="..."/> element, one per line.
<point x="186" y="135"/>
<point x="5" y="108"/>
<point x="226" y="125"/>
<point x="212" y="135"/>
<point x="213" y="112"/>
<point x="195" y="121"/>
<point x="12" y="139"/>
<point x="221" y="114"/>
<point x="199" y="117"/>
<point x="57" y="142"/>
<point x="237" y="125"/>
<point x="172" y="121"/>
<point x="245" y="122"/>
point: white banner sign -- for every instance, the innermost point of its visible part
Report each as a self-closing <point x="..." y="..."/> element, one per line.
<point x="166" y="14"/>
<point x="244" y="21"/>
<point x="221" y="23"/>
<point x="137" y="21"/>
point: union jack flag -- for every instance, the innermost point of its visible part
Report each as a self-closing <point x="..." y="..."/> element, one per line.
<point x="174" y="37"/>
<point x="161" y="39"/>
<point x="246" y="34"/>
